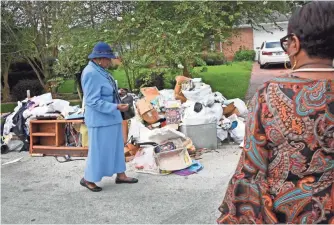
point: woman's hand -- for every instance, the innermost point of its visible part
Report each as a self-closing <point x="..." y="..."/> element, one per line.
<point x="123" y="107"/>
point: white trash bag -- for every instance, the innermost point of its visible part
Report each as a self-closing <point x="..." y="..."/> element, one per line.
<point x="219" y="97"/>
<point x="205" y="116"/>
<point x="222" y="134"/>
<point x="240" y="105"/>
<point x="237" y="133"/>
<point x="208" y="100"/>
<point x="197" y="95"/>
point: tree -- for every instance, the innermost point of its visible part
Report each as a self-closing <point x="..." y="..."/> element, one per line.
<point x="36" y="29"/>
<point x="177" y="31"/>
<point x="9" y="50"/>
<point x="87" y="28"/>
<point x="161" y="33"/>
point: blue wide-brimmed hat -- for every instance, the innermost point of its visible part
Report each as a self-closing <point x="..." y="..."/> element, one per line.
<point x="102" y="50"/>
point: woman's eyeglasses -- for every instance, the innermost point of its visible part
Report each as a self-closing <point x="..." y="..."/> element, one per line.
<point x="284" y="41"/>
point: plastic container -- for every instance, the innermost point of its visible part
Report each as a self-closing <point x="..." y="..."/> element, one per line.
<point x="203" y="135"/>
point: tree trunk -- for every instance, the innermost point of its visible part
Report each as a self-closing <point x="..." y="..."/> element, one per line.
<point x="186" y="72"/>
<point x="6" y="89"/>
<point x="79" y="93"/>
<point x="91" y="12"/>
<point x="55" y="51"/>
<point x="128" y="77"/>
<point x="37" y="73"/>
<point x="46" y="72"/>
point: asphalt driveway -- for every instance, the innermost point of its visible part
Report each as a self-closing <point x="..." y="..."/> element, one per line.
<point x="43" y="191"/>
<point x="260" y="76"/>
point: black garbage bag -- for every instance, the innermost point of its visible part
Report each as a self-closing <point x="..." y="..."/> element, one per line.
<point x="131" y="112"/>
<point x="198" y="107"/>
<point x="20" y="127"/>
<point x="4" y="149"/>
<point x="19" y="122"/>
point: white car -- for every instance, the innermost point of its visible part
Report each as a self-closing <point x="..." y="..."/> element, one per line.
<point x="271" y="53"/>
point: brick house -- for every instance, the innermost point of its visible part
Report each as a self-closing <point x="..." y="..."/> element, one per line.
<point x="250" y="39"/>
<point x="243" y="38"/>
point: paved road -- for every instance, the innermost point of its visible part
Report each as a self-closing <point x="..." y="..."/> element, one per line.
<point x="260" y="76"/>
<point x="41" y="190"/>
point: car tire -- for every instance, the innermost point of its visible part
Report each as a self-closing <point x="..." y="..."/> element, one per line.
<point x="262" y="66"/>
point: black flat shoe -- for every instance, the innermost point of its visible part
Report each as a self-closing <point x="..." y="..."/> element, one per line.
<point x="84" y="184"/>
<point x="127" y="181"/>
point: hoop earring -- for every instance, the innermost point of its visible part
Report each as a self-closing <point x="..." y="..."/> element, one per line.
<point x="285" y="64"/>
<point x="294" y="64"/>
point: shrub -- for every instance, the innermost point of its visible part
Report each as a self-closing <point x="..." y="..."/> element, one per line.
<point x="19" y="91"/>
<point x="150" y="80"/>
<point x="244" y="55"/>
<point x="204" y="69"/>
<point x="213" y="58"/>
<point x="21" y="70"/>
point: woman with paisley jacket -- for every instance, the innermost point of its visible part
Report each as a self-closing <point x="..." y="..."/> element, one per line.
<point x="286" y="170"/>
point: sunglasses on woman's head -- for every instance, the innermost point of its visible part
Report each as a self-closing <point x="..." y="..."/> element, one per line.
<point x="284" y="41"/>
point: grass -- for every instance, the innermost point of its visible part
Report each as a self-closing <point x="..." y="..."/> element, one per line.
<point x="231" y="80"/>
<point x="8" y="107"/>
<point x="120" y="76"/>
<point x="67" y="87"/>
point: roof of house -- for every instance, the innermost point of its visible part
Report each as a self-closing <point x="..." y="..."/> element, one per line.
<point x="280" y="19"/>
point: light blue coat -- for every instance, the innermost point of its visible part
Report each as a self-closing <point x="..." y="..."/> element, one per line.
<point x="100" y="97"/>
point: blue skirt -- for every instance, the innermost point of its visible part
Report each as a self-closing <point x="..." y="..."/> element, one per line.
<point x="106" y="152"/>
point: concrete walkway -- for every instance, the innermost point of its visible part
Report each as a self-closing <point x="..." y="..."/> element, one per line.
<point x="41" y="190"/>
<point x="260" y="76"/>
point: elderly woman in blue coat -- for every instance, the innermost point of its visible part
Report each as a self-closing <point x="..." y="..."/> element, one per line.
<point x="104" y="121"/>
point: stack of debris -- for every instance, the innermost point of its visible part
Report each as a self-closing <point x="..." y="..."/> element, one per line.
<point x="162" y="129"/>
<point x="170" y="125"/>
<point x="15" y="128"/>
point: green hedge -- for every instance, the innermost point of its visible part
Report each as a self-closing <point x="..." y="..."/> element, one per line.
<point x="244" y="55"/>
<point x="214" y="58"/>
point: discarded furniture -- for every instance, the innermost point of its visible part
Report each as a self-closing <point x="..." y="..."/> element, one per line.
<point x="47" y="137"/>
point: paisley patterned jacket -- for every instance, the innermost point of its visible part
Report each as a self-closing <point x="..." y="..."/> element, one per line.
<point x="286" y="170"/>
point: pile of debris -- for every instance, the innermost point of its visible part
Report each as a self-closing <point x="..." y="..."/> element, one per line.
<point x="170" y="125"/>
<point x="164" y="131"/>
<point x="15" y="129"/>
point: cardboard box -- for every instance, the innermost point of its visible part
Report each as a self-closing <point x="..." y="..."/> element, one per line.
<point x="150" y="93"/>
<point x="147" y="112"/>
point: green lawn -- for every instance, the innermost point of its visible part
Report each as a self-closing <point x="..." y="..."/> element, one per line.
<point x="67" y="87"/>
<point x="8" y="107"/>
<point x="120" y="76"/>
<point x="231" y="80"/>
